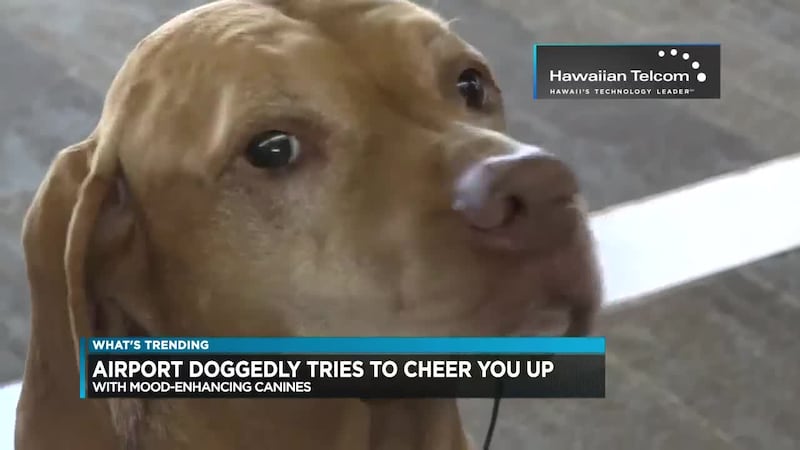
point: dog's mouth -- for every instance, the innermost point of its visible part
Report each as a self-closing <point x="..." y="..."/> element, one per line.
<point x="553" y="288"/>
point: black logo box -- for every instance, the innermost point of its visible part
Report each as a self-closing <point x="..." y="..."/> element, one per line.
<point x="575" y="376"/>
<point x="622" y="58"/>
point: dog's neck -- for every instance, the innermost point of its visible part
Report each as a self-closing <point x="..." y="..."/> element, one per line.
<point x="51" y="413"/>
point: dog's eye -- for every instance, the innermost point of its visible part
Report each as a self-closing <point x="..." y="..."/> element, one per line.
<point x="470" y="86"/>
<point x="272" y="150"/>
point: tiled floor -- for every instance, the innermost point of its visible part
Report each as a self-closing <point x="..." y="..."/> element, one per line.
<point x="710" y="365"/>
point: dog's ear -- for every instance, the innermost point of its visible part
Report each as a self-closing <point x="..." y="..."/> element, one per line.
<point x="82" y="243"/>
<point x="45" y="239"/>
<point x="77" y="236"/>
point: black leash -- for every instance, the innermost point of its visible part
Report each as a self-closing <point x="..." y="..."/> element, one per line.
<point x="493" y="420"/>
<point x="574" y="329"/>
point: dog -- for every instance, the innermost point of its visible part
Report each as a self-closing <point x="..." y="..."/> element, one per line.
<point x="294" y="168"/>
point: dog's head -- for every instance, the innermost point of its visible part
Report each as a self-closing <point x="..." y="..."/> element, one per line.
<point x="310" y="168"/>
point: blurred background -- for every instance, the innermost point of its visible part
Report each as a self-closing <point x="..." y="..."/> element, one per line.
<point x="713" y="364"/>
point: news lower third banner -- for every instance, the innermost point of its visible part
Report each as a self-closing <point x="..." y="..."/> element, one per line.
<point x="343" y="367"/>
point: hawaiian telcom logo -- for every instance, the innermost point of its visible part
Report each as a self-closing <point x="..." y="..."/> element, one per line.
<point x="626" y="71"/>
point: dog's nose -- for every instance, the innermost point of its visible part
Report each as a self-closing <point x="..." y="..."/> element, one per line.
<point x="519" y="199"/>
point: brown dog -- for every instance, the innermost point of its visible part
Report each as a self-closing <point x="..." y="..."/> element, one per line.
<point x="289" y="168"/>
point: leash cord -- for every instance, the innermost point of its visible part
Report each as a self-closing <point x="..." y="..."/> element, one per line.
<point x="493" y="420"/>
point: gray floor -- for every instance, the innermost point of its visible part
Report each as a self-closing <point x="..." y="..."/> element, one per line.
<point x="711" y="365"/>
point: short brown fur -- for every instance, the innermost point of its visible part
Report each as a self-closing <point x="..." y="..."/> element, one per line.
<point x="156" y="225"/>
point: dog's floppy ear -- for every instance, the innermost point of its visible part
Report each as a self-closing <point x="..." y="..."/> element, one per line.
<point x="45" y="236"/>
<point x="81" y="242"/>
<point x="59" y="229"/>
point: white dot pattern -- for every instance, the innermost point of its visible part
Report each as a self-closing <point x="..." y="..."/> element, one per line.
<point x="701" y="77"/>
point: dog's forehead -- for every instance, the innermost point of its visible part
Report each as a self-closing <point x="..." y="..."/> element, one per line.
<point x="389" y="36"/>
<point x="393" y="31"/>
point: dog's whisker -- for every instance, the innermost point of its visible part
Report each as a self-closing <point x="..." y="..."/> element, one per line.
<point x="447" y="23"/>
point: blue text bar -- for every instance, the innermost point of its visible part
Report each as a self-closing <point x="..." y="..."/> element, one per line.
<point x="351" y="345"/>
